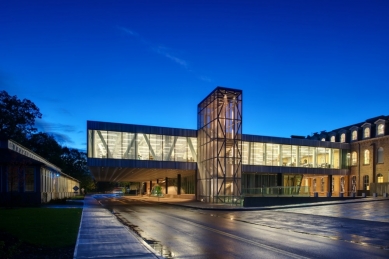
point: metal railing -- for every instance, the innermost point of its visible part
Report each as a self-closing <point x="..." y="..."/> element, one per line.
<point x="291" y="191"/>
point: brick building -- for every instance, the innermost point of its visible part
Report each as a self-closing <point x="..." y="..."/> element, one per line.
<point x="368" y="157"/>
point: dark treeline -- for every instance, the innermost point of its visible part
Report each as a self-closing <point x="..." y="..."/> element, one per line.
<point x="17" y="122"/>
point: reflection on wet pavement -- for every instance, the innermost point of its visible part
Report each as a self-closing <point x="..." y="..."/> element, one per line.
<point x="377" y="211"/>
<point x="362" y="222"/>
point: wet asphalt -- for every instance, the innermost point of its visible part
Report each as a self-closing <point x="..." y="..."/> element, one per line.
<point x="182" y="229"/>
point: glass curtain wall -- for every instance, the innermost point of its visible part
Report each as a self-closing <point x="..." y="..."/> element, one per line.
<point x="289" y="155"/>
<point x="127" y="145"/>
<point x="253" y="183"/>
<point x="220" y="146"/>
<point x="188" y="185"/>
<point x="256" y="153"/>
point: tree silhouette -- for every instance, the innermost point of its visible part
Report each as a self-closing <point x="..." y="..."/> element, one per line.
<point x="17" y="117"/>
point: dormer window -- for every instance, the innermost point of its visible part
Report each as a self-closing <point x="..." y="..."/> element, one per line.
<point x="366" y="133"/>
<point x="380" y="129"/>
<point x="354" y="135"/>
<point x="343" y="138"/>
<point x="332" y="138"/>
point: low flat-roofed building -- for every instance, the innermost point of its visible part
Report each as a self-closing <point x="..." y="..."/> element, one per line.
<point x="27" y="178"/>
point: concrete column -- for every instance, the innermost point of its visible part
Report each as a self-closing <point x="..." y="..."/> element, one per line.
<point x="179" y="184"/>
<point x="166" y="185"/>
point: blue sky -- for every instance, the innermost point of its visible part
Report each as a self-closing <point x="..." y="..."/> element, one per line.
<point x="303" y="66"/>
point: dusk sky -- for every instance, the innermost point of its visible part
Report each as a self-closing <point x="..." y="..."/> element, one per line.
<point x="303" y="66"/>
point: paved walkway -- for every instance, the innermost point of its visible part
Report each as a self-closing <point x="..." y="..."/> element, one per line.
<point x="101" y="235"/>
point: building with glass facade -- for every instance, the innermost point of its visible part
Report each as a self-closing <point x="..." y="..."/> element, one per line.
<point x="217" y="162"/>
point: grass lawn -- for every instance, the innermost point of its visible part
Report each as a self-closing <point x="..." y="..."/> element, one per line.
<point x="47" y="227"/>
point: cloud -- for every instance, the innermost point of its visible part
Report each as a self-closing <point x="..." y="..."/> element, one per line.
<point x="205" y="78"/>
<point x="163" y="51"/>
<point x="166" y="52"/>
<point x="129" y="31"/>
<point x="59" y="131"/>
<point x="53" y="127"/>
<point x="64" y="111"/>
<point x="62" y="139"/>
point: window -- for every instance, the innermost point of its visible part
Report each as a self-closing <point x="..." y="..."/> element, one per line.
<point x="272" y="154"/>
<point x="342" y="184"/>
<point x="13" y="179"/>
<point x="289" y="155"/>
<point x="343" y="138"/>
<point x="366" y="160"/>
<point x="354" y="135"/>
<point x="380" y="130"/>
<point x="306" y="156"/>
<point x="332" y="138"/>
<point x="323" y="139"/>
<point x="29" y="180"/>
<point x="323" y="157"/>
<point x="380" y="155"/>
<point x="365" y="182"/>
<point x="354" y="158"/>
<point x="322" y="184"/>
<point x="380" y="178"/>
<point x="366" y="133"/>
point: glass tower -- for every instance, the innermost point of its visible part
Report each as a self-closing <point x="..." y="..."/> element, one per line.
<point x="220" y="146"/>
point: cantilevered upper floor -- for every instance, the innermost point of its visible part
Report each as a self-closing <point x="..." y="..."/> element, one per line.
<point x="124" y="152"/>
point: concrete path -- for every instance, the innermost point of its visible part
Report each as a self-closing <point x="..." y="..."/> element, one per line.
<point x="101" y="235"/>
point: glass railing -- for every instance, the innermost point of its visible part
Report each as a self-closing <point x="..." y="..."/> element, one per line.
<point x="229" y="200"/>
<point x="290" y="191"/>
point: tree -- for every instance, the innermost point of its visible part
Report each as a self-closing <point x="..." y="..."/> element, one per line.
<point x="46" y="146"/>
<point x="74" y="163"/>
<point x="17" y="117"/>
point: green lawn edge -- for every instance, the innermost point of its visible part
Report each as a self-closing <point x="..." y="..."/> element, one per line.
<point x="49" y="227"/>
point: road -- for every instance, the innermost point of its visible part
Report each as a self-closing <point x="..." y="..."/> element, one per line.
<point x="179" y="232"/>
